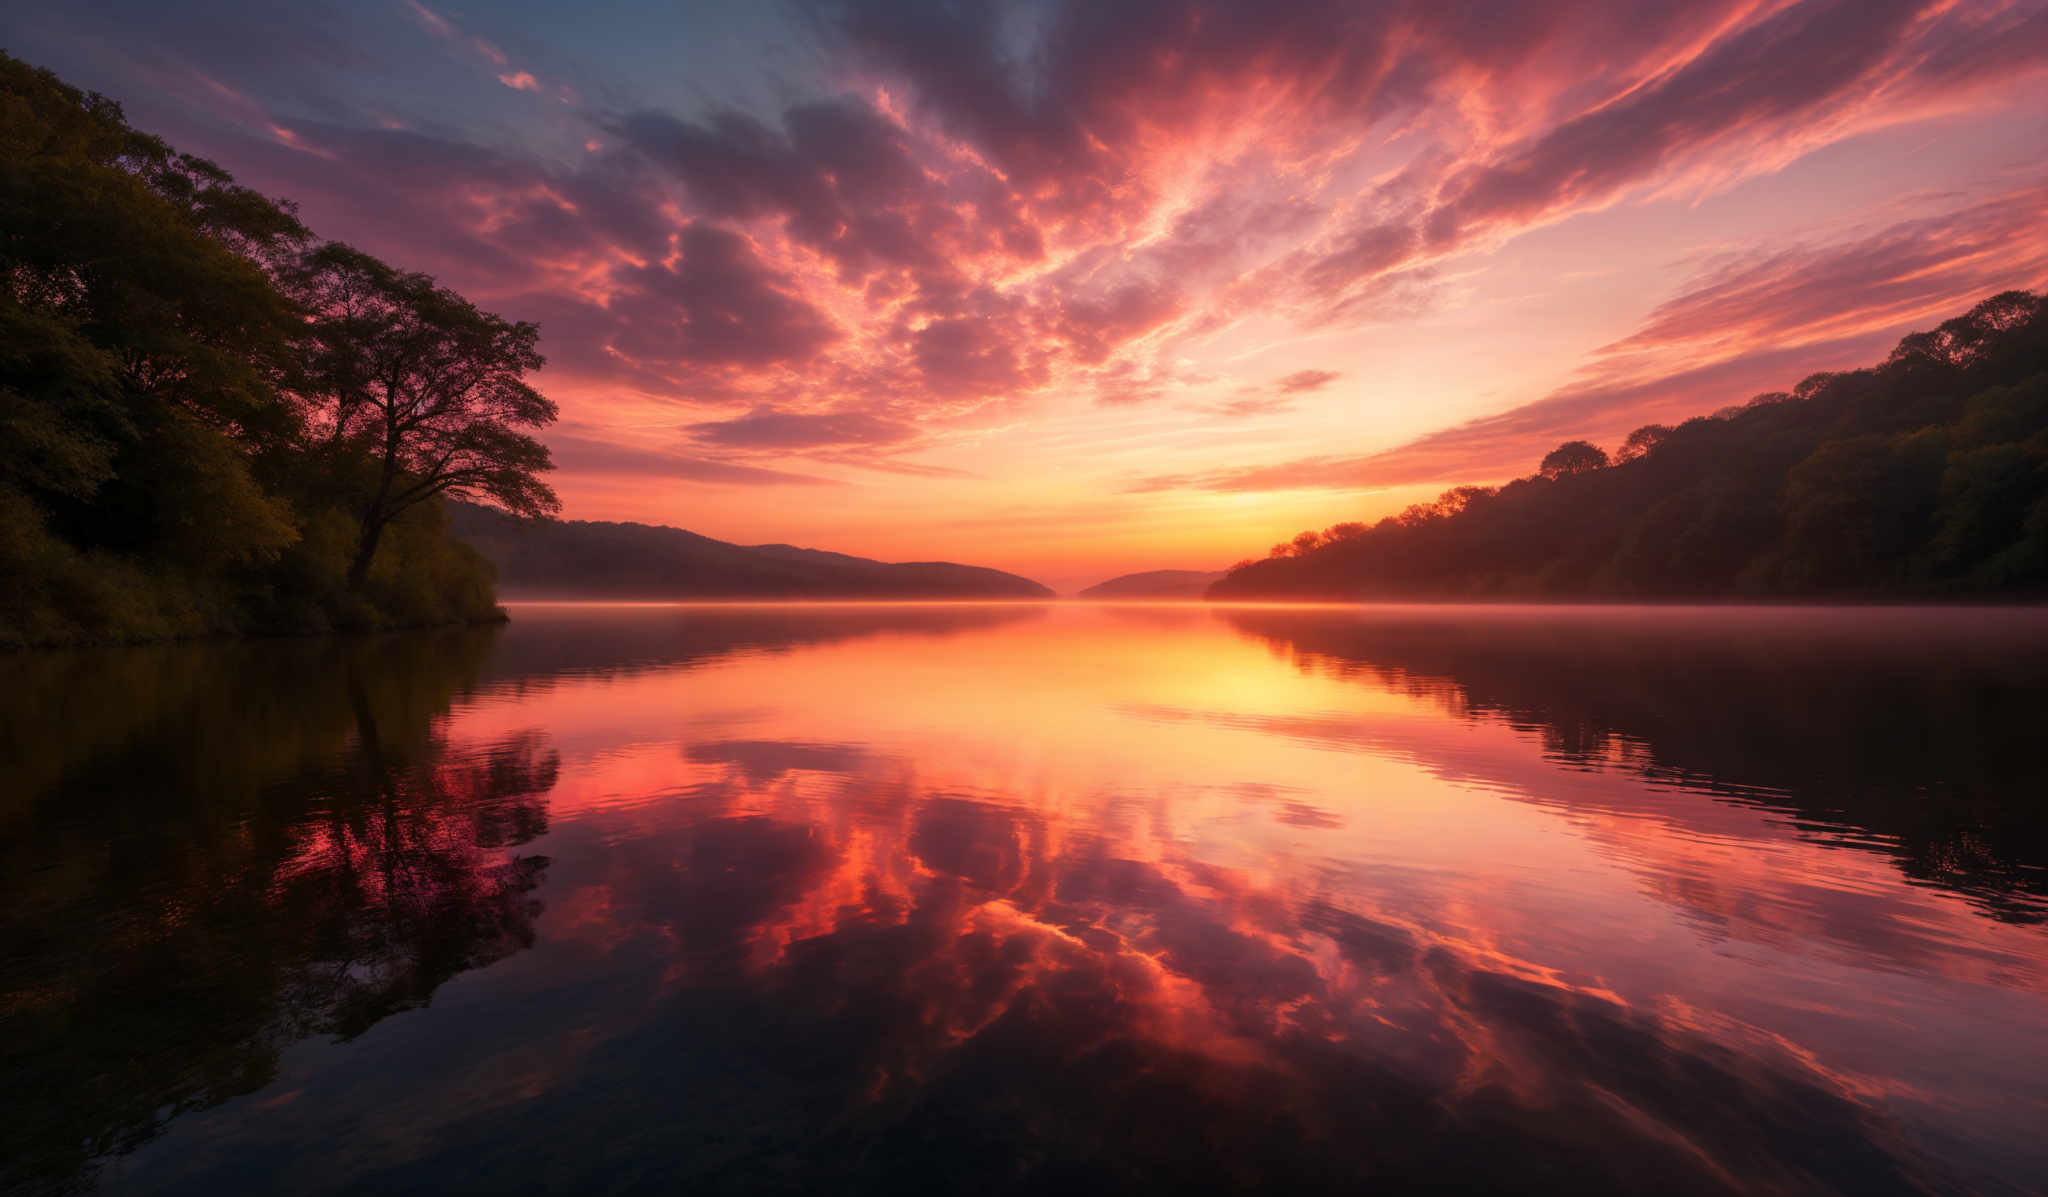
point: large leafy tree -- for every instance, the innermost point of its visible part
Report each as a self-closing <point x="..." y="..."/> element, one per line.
<point x="1572" y="457"/>
<point x="418" y="394"/>
<point x="141" y="334"/>
<point x="208" y="421"/>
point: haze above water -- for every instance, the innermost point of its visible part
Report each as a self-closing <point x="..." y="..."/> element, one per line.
<point x="1063" y="897"/>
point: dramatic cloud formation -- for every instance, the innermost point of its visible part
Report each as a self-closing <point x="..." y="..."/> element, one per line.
<point x="1749" y="326"/>
<point x="997" y="239"/>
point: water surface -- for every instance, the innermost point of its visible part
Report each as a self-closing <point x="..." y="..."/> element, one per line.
<point x="1035" y="898"/>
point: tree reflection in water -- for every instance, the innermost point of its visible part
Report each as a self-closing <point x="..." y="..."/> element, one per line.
<point x="212" y="851"/>
<point x="1905" y="731"/>
<point x="872" y="900"/>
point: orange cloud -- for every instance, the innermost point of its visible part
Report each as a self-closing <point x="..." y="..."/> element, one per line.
<point x="1088" y="263"/>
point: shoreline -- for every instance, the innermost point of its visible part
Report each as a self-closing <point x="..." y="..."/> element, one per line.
<point x="1557" y="605"/>
<point x="500" y="619"/>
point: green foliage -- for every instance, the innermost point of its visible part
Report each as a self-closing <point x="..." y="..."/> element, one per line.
<point x="1856" y="509"/>
<point x="179" y="402"/>
<point x="1926" y="476"/>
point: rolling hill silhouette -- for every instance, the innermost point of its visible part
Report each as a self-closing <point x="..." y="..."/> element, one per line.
<point x="1155" y="584"/>
<point x="590" y="559"/>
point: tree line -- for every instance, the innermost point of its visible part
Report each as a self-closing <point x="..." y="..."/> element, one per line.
<point x="212" y="421"/>
<point x="1925" y="476"/>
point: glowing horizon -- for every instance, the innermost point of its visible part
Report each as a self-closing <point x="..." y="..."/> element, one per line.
<point x="1076" y="290"/>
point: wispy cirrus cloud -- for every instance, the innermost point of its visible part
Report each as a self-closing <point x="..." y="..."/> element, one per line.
<point x="943" y="216"/>
<point x="771" y="428"/>
<point x="577" y="452"/>
<point x="1752" y="322"/>
<point x="1304" y="381"/>
<point x="1275" y="398"/>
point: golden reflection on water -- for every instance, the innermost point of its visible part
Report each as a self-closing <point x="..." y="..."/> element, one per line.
<point x="1712" y="900"/>
<point x="1038" y="768"/>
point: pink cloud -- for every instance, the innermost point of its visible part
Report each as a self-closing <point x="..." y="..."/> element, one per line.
<point x="942" y="226"/>
<point x="432" y="20"/>
<point x="1757" y="323"/>
<point x="575" y="452"/>
<point x="770" y="428"/>
<point x="1303" y="381"/>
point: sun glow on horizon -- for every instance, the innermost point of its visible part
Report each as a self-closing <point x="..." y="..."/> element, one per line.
<point x="1073" y="290"/>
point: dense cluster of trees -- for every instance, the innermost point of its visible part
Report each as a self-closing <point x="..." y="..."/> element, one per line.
<point x="212" y="422"/>
<point x="1925" y="476"/>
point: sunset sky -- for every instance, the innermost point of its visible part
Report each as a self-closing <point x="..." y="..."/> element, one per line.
<point x="1076" y="289"/>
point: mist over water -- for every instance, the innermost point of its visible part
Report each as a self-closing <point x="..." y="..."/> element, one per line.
<point x="1035" y="897"/>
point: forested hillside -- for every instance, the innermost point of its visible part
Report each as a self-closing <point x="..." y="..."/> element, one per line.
<point x="1925" y="476"/>
<point x="211" y="421"/>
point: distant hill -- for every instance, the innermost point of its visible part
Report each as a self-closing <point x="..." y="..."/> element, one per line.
<point x="1925" y="476"/>
<point x="1155" y="584"/>
<point x="586" y="559"/>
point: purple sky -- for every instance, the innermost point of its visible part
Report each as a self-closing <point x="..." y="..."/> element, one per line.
<point x="1081" y="288"/>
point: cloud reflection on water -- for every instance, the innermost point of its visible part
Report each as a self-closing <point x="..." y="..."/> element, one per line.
<point x="1104" y="898"/>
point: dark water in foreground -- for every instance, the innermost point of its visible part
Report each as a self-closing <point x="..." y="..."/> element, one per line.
<point x="873" y="899"/>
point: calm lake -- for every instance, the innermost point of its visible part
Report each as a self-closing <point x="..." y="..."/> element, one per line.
<point x="1056" y="898"/>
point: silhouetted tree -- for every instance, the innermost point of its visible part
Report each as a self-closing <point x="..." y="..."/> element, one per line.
<point x="426" y="390"/>
<point x="1459" y="498"/>
<point x="1812" y="384"/>
<point x="1641" y="441"/>
<point x="1961" y="341"/>
<point x="1572" y="457"/>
